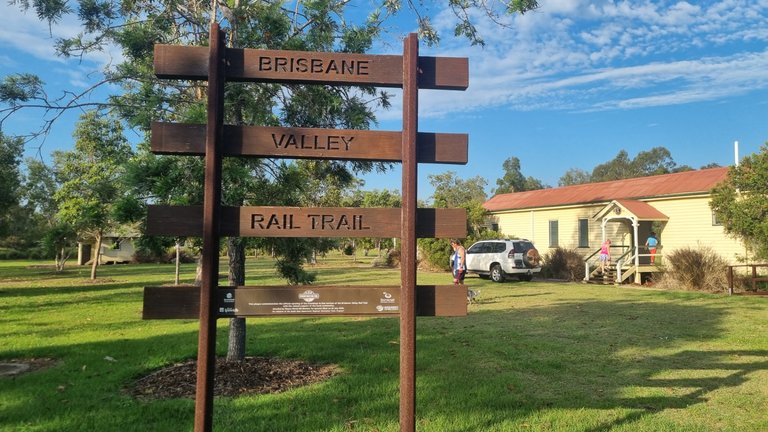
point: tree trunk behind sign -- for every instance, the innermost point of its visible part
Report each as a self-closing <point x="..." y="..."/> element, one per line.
<point x="236" y="254"/>
<point x="178" y="261"/>
<point x="96" y="256"/>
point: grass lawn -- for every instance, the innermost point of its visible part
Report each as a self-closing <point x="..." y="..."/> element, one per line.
<point x="538" y="356"/>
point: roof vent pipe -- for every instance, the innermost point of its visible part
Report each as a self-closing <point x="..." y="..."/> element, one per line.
<point x="736" y="153"/>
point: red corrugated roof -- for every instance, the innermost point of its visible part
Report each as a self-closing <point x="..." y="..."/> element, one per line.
<point x="642" y="210"/>
<point x="636" y="188"/>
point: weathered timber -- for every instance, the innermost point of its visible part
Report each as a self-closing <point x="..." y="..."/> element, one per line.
<point x="245" y="64"/>
<point x="183" y="302"/>
<point x="206" y="348"/>
<point x="186" y="221"/>
<point x="408" y="248"/>
<point x="309" y="143"/>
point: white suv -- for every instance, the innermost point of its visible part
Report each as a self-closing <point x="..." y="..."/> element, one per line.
<point x="499" y="258"/>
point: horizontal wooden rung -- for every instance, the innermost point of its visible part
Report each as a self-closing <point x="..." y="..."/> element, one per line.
<point x="333" y="68"/>
<point x="187" y="221"/>
<point x="309" y="143"/>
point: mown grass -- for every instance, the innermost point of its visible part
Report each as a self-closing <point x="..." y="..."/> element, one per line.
<point x="540" y="356"/>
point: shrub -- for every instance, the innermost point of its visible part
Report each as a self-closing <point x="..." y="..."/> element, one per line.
<point x="185" y="257"/>
<point x="436" y="253"/>
<point x="390" y="259"/>
<point x="695" y="269"/>
<point x="563" y="264"/>
<point x="10" y="254"/>
<point x="294" y="272"/>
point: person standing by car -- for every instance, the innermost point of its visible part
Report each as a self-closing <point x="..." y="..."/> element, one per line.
<point x="459" y="263"/>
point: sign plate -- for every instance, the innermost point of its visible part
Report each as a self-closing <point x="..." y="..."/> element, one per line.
<point x="183" y="302"/>
<point x="309" y="300"/>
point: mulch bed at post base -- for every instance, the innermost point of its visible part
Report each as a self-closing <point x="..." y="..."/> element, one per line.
<point x="254" y="375"/>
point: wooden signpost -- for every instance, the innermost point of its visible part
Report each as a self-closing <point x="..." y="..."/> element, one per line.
<point x="212" y="221"/>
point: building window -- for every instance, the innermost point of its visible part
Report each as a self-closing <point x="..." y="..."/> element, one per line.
<point x="553" y="234"/>
<point x="715" y="220"/>
<point x="495" y="227"/>
<point x="583" y="233"/>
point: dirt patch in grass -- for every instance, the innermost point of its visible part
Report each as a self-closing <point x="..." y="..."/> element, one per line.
<point x="16" y="367"/>
<point x="254" y="375"/>
<point x="97" y="281"/>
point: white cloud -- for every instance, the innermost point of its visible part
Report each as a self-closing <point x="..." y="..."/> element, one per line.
<point x="24" y="32"/>
<point x="594" y="55"/>
<point x="7" y="61"/>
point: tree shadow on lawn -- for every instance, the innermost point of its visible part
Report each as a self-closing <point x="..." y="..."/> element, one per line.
<point x="36" y="300"/>
<point x="594" y="354"/>
<point x="474" y="372"/>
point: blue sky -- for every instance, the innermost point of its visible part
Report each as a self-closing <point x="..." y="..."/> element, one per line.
<point x="566" y="86"/>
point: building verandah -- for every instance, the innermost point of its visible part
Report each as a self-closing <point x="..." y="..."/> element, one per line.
<point x="629" y="256"/>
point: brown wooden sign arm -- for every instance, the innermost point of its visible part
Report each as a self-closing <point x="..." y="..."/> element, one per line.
<point x="309" y="143"/>
<point x="244" y="64"/>
<point x="186" y="221"/>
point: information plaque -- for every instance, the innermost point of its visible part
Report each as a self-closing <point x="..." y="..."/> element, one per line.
<point x="183" y="301"/>
<point x="308" y="300"/>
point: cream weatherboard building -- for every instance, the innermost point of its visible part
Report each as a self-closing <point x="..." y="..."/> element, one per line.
<point x="674" y="206"/>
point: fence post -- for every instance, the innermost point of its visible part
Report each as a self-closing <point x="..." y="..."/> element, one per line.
<point x="730" y="280"/>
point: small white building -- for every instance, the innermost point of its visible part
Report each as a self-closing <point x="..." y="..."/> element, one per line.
<point x="114" y="250"/>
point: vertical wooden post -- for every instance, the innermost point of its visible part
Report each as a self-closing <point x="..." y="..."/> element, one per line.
<point x="206" y="348"/>
<point x="754" y="277"/>
<point x="730" y="280"/>
<point x="408" y="236"/>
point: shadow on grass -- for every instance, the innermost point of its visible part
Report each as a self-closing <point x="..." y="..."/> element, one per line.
<point x="482" y="372"/>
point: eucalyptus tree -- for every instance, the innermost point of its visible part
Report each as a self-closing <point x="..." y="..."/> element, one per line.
<point x="740" y="202"/>
<point x="10" y="159"/>
<point x="655" y="161"/>
<point x="136" y="26"/>
<point x="39" y="222"/>
<point x="313" y="26"/>
<point x="133" y="25"/>
<point x="574" y="176"/>
<point x="452" y="191"/>
<point x="513" y="179"/>
<point x="90" y="176"/>
<point x="383" y="198"/>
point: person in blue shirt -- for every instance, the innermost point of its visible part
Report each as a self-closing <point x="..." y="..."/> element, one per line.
<point x="651" y="244"/>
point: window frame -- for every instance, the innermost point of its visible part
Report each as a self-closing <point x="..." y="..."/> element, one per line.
<point x="583" y="232"/>
<point x="554" y="228"/>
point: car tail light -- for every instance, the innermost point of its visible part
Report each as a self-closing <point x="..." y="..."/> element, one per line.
<point x="511" y="254"/>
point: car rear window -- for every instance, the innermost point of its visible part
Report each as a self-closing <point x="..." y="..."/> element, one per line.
<point x="521" y="247"/>
<point x="478" y="248"/>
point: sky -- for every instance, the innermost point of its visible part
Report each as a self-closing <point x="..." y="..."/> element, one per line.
<point x="566" y="86"/>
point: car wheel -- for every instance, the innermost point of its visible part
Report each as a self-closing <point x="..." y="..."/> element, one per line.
<point x="497" y="275"/>
<point x="525" y="277"/>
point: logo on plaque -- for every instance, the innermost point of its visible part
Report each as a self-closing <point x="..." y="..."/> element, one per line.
<point x="309" y="296"/>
